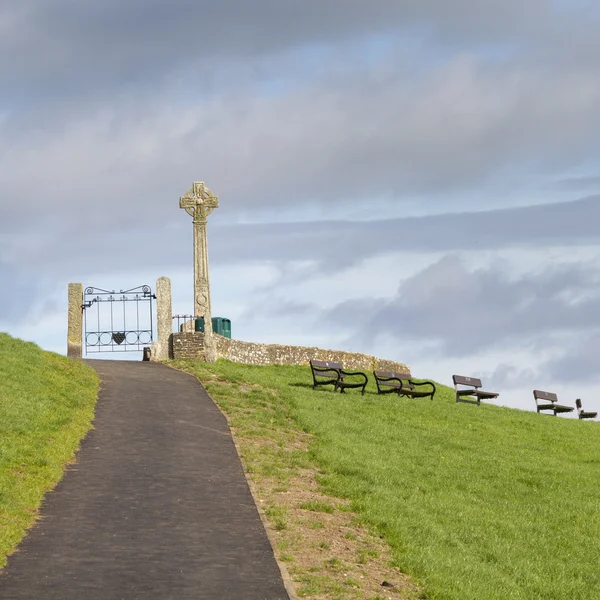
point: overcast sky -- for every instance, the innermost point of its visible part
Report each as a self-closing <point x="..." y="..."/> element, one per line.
<point x="418" y="180"/>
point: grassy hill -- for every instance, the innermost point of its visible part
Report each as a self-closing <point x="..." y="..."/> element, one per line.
<point x="477" y="503"/>
<point x="46" y="407"/>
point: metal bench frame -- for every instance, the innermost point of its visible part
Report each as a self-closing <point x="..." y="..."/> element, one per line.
<point x="471" y="390"/>
<point x="327" y="372"/>
<point x="390" y="382"/>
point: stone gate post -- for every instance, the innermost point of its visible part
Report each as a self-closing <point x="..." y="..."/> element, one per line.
<point x="164" y="319"/>
<point x="75" y="324"/>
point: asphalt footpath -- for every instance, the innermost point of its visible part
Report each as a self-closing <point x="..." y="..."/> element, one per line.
<point x="156" y="506"/>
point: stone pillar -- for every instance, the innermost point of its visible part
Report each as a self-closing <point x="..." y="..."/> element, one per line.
<point x="202" y="306"/>
<point x="164" y="320"/>
<point x="75" y="325"/>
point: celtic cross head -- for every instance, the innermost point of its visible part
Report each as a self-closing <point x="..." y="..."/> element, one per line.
<point x="199" y="199"/>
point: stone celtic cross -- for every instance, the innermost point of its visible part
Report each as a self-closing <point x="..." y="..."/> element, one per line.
<point x="199" y="202"/>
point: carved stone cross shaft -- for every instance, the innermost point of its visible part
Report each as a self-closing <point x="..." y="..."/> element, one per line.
<point x="199" y="202"/>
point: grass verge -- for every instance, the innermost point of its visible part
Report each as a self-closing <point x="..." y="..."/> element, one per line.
<point x="474" y="502"/>
<point x="46" y="408"/>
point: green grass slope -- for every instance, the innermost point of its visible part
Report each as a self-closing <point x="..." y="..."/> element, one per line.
<point x="478" y="503"/>
<point x="46" y="408"/>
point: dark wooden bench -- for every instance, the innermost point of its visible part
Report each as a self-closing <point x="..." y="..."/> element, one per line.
<point x="332" y="373"/>
<point x="470" y="391"/>
<point x="390" y="382"/>
<point x="582" y="413"/>
<point x="549" y="401"/>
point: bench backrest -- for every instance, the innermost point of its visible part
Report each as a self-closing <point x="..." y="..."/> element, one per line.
<point x="548" y="396"/>
<point x="321" y="364"/>
<point x="462" y="380"/>
<point x="388" y="374"/>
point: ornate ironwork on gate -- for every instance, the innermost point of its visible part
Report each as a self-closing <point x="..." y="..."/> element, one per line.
<point x="118" y="321"/>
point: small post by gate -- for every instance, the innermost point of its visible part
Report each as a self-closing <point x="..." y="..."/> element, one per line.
<point x="118" y="322"/>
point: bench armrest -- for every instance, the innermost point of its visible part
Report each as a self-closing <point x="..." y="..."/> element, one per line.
<point x="344" y="373"/>
<point x="424" y="383"/>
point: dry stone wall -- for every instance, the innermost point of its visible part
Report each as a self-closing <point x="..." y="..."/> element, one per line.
<point x="189" y="346"/>
<point x="250" y="353"/>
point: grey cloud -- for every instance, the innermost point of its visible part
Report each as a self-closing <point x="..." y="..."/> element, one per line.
<point x="466" y="312"/>
<point x="272" y="307"/>
<point x="349" y="132"/>
<point x="507" y="376"/>
<point x="18" y="293"/>
<point x="333" y="143"/>
<point x="339" y="244"/>
<point x="577" y="183"/>
<point x="90" y="45"/>
<point x="578" y="361"/>
<point x="86" y="42"/>
<point x="115" y="241"/>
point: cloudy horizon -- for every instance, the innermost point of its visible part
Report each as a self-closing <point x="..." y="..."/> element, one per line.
<point x="415" y="180"/>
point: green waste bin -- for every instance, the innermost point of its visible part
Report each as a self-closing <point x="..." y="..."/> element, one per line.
<point x="227" y="328"/>
<point x="222" y="326"/>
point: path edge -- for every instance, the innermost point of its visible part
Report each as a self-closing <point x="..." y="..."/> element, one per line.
<point x="285" y="575"/>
